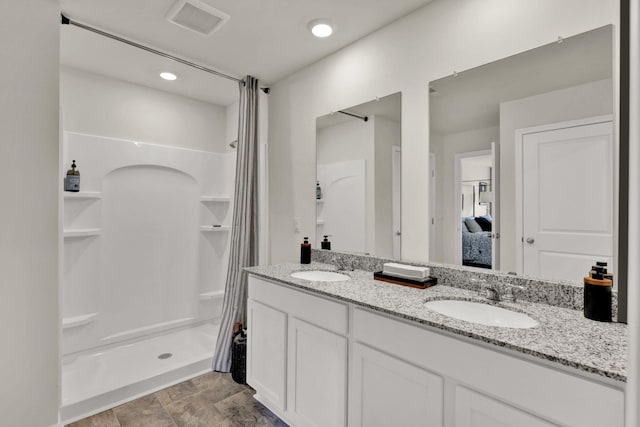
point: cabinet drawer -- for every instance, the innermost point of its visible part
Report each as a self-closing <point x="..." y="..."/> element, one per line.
<point x="322" y="312"/>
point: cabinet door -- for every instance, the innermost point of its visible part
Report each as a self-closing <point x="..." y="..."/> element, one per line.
<point x="386" y="391"/>
<point x="266" y="352"/>
<point x="317" y="376"/>
<point x="474" y="409"/>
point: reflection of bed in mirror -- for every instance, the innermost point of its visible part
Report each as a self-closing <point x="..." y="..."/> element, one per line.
<point x="476" y="241"/>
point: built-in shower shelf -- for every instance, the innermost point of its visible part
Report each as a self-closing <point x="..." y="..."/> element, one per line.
<point x="81" y="320"/>
<point x="215" y="199"/>
<point x="212" y="229"/>
<point x="82" y="195"/>
<point x="212" y="295"/>
<point x="82" y="232"/>
<point x="319" y="201"/>
<point x="320" y="222"/>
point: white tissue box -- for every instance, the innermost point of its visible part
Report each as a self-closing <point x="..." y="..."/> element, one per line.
<point x="405" y="271"/>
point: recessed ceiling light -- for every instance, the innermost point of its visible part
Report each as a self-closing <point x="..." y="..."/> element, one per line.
<point x="320" y="28"/>
<point x="168" y="76"/>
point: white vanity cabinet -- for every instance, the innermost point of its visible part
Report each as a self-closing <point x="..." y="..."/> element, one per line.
<point x="297" y="354"/>
<point x="487" y="387"/>
<point x="308" y="353"/>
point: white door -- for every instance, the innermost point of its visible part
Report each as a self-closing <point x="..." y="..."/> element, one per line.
<point x="343" y="214"/>
<point x="432" y="207"/>
<point x="567" y="199"/>
<point x="396" y="174"/>
<point x="473" y="409"/>
<point x="266" y="352"/>
<point x="386" y="391"/>
<point x="317" y="377"/>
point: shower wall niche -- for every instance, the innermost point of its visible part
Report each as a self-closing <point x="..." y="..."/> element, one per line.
<point x="146" y="240"/>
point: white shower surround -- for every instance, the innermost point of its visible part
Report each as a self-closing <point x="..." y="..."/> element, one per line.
<point x="142" y="257"/>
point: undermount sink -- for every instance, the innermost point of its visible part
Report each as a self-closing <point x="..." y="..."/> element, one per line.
<point x="320" y="276"/>
<point x="483" y="314"/>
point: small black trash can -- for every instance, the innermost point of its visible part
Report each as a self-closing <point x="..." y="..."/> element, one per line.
<point x="239" y="354"/>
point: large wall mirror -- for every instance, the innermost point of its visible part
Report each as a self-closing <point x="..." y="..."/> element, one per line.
<point x="524" y="160"/>
<point x="358" y="178"/>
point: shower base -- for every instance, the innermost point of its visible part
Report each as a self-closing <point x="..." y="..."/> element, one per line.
<point x="101" y="380"/>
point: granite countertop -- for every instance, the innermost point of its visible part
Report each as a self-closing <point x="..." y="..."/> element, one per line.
<point x="563" y="335"/>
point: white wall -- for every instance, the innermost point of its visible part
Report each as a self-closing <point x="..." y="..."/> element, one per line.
<point x="29" y="319"/>
<point x="445" y="148"/>
<point x="232" y="112"/>
<point x="100" y="105"/>
<point x="429" y="44"/>
<point x="386" y="135"/>
<point x="587" y="100"/>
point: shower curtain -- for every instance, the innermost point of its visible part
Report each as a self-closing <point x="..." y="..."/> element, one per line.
<point x="244" y="233"/>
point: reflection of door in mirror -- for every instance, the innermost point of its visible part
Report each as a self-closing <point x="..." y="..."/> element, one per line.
<point x="358" y="167"/>
<point x="555" y="83"/>
<point x="567" y="197"/>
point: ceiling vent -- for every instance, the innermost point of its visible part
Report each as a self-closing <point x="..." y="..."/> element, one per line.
<point x="197" y="16"/>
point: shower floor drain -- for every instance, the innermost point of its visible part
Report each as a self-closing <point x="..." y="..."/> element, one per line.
<point x="165" y="355"/>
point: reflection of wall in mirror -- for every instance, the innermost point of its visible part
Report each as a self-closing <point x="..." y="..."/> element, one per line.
<point x="474" y="172"/>
<point x="445" y="148"/>
<point x="371" y="142"/>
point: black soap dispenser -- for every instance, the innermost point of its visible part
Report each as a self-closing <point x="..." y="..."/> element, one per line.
<point x="305" y="252"/>
<point x="326" y="244"/>
<point x="72" y="180"/>
<point x="597" y="295"/>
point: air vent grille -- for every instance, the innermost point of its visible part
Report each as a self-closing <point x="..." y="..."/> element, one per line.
<point x="197" y="16"/>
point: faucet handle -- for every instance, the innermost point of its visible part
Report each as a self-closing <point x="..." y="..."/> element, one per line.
<point x="512" y="291"/>
<point x="488" y="290"/>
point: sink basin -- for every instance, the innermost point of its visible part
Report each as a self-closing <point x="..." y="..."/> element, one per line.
<point x="483" y="314"/>
<point x="320" y="276"/>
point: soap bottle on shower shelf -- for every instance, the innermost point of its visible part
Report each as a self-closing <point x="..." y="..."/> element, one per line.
<point x="318" y="191"/>
<point x="72" y="180"/>
<point x="305" y="252"/>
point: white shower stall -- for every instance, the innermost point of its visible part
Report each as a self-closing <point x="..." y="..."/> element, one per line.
<point x="145" y="253"/>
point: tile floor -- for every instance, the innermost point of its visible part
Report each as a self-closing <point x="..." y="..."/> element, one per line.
<point x="210" y="400"/>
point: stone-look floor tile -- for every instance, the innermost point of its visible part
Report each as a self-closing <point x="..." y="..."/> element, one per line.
<point x="245" y="411"/>
<point x="196" y="411"/>
<point x="103" y="419"/>
<point x="144" y="412"/>
<point x="176" y="392"/>
<point x="217" y="386"/>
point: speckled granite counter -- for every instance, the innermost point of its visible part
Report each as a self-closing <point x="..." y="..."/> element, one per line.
<point x="564" y="336"/>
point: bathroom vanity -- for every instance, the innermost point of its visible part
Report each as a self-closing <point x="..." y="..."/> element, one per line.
<point x="360" y="352"/>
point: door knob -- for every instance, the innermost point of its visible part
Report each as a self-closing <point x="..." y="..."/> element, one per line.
<point x="530" y="240"/>
<point x="398" y="233"/>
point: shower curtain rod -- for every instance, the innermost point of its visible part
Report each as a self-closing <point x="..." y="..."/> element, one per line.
<point x="67" y="21"/>
<point x="364" y="118"/>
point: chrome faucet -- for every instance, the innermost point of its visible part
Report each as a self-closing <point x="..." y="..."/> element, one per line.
<point x="492" y="292"/>
<point x="505" y="292"/>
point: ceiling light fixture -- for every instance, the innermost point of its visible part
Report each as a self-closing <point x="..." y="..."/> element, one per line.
<point x="320" y="28"/>
<point x="168" y="76"/>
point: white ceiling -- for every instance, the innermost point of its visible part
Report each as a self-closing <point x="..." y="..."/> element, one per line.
<point x="471" y="99"/>
<point x="267" y="39"/>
